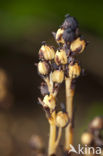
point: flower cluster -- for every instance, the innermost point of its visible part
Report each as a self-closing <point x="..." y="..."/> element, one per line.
<point x="93" y="136"/>
<point x="57" y="64"/>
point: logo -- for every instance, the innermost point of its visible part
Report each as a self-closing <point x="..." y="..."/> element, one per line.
<point x="85" y="150"/>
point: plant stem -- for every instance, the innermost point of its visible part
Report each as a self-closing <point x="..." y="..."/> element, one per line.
<point x="59" y="136"/>
<point x="53" y="143"/>
<point x="52" y="133"/>
<point x="69" y="109"/>
<point x="52" y="136"/>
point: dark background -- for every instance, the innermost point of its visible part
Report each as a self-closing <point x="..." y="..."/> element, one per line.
<point x="23" y="26"/>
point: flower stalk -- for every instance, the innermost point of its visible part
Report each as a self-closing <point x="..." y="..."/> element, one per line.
<point x="52" y="122"/>
<point x="69" y="109"/>
<point x="52" y="137"/>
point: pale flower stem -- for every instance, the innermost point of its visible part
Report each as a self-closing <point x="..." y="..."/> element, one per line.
<point x="52" y="136"/>
<point x="58" y="137"/>
<point x="69" y="109"/>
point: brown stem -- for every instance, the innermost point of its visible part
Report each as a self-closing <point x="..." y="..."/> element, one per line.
<point x="69" y="109"/>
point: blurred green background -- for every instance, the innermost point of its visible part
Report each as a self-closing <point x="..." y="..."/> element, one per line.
<point x="23" y="26"/>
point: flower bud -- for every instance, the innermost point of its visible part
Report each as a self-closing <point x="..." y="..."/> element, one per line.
<point x="43" y="68"/>
<point x="70" y="22"/>
<point x="69" y="35"/>
<point x="61" y="119"/>
<point x="87" y="138"/>
<point x="74" y="70"/>
<point x="57" y="76"/>
<point x="78" y="45"/>
<point x="97" y="123"/>
<point x="59" y="35"/>
<point x="60" y="57"/>
<point x="49" y="101"/>
<point x="46" y="52"/>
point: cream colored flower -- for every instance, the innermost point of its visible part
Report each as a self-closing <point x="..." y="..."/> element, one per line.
<point x="47" y="52"/>
<point x="61" y="119"/>
<point x="74" y="70"/>
<point x="43" y="68"/>
<point x="59" y="35"/>
<point x="60" y="57"/>
<point x="57" y="76"/>
<point x="78" y="45"/>
<point x="49" y="101"/>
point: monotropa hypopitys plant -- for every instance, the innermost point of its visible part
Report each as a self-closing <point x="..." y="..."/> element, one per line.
<point x="54" y="67"/>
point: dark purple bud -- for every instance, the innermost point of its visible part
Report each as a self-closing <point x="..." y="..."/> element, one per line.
<point x="70" y="22"/>
<point x="68" y="35"/>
